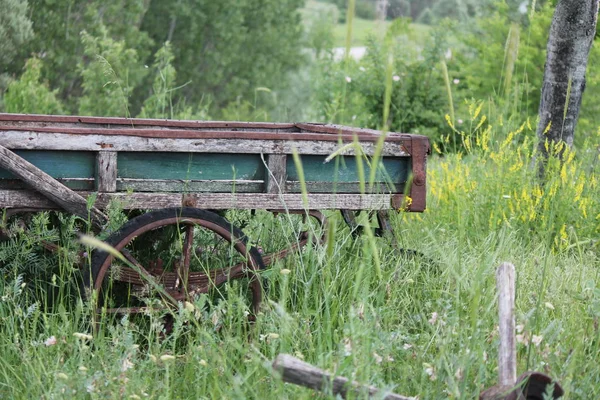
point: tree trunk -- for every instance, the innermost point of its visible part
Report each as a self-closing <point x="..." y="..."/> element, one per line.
<point x="571" y="35"/>
<point x="381" y="8"/>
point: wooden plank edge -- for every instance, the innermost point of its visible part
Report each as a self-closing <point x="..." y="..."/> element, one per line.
<point x="29" y="198"/>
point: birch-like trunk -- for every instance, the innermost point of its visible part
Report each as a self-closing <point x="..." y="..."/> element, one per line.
<point x="571" y="35"/>
<point x="381" y="8"/>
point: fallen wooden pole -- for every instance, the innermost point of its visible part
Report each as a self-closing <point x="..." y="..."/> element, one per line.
<point x="50" y="187"/>
<point x="304" y="374"/>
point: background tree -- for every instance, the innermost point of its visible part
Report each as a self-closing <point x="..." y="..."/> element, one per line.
<point x="15" y="30"/>
<point x="30" y="95"/>
<point x="228" y="48"/>
<point x="572" y="32"/>
<point x="58" y="25"/>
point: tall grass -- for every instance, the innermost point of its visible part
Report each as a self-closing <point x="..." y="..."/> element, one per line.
<point x="422" y="325"/>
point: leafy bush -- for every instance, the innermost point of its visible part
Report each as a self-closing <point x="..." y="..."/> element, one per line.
<point x="354" y="92"/>
<point x="110" y="71"/>
<point x="30" y="95"/>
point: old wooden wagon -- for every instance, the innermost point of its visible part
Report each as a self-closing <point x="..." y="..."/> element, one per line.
<point x="181" y="173"/>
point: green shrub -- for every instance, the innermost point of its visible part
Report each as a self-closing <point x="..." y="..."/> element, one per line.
<point x="30" y="95"/>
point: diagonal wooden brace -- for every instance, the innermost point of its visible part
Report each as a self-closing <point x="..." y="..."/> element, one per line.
<point x="50" y="187"/>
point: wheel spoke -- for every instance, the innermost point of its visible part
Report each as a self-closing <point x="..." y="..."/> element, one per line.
<point x="183" y="268"/>
<point x="148" y="279"/>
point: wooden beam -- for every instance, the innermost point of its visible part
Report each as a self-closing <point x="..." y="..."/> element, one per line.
<point x="106" y="171"/>
<point x="29" y="140"/>
<point x="298" y="372"/>
<point x="276" y="173"/>
<point x="49" y="187"/>
<point x="220" y="201"/>
<point x="191" y="186"/>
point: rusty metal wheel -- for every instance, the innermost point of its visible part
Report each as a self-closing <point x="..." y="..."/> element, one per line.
<point x="173" y="255"/>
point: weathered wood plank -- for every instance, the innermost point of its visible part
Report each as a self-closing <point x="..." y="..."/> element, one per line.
<point x="70" y="120"/>
<point x="183" y="186"/>
<point x="58" y="164"/>
<point x="339" y="187"/>
<point x="222" y="201"/>
<point x="190" y="166"/>
<point x="298" y="372"/>
<point x="344" y="169"/>
<point x="76" y="184"/>
<point x="276" y="174"/>
<point x="49" y="187"/>
<point x="56" y="141"/>
<point x="106" y="171"/>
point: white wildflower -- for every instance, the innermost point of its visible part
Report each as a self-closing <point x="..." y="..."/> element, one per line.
<point x="434" y="317"/>
<point x="126" y="365"/>
<point x="348" y="79"/>
<point x="395" y="78"/>
<point x="430" y="370"/>
<point x="378" y="358"/>
<point x="51" y="341"/>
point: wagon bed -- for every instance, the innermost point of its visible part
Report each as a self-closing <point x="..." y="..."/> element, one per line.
<point x="147" y="163"/>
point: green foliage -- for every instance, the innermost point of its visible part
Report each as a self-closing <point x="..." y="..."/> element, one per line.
<point x="488" y="44"/>
<point x="417" y="92"/>
<point x="15" y="30"/>
<point x="365" y="9"/>
<point x="319" y="35"/>
<point x="160" y="102"/>
<point x="222" y="51"/>
<point x="355" y="92"/>
<point x="30" y="95"/>
<point x="58" y="26"/>
<point x="228" y="48"/>
<point x="109" y="71"/>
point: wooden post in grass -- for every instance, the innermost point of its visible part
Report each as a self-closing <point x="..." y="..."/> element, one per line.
<point x="304" y="374"/>
<point x="530" y="385"/>
<point x="507" y="354"/>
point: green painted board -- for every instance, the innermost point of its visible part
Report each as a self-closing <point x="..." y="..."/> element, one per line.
<point x="396" y="170"/>
<point x="58" y="164"/>
<point x="189" y="166"/>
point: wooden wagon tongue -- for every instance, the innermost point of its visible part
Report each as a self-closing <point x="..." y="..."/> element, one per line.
<point x="529" y="386"/>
